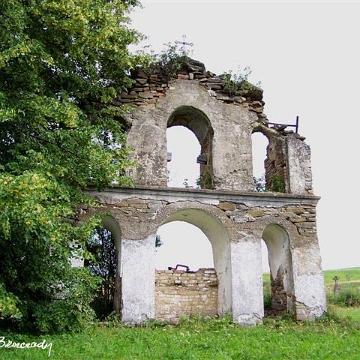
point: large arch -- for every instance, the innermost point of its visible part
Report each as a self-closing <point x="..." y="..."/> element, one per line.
<point x="280" y="263"/>
<point x="218" y="236"/>
<point x="196" y="121"/>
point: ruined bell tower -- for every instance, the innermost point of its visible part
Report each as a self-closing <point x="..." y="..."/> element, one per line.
<point x="233" y="216"/>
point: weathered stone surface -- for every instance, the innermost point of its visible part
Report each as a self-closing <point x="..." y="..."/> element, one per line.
<point x="227" y="206"/>
<point x="293" y="249"/>
<point x="234" y="217"/>
<point x="256" y="213"/>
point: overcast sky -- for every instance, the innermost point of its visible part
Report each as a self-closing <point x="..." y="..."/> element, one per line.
<point x="306" y="54"/>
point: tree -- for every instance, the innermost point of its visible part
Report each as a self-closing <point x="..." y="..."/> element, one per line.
<point x="62" y="63"/>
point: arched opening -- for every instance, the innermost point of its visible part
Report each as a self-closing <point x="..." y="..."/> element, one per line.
<point x="183" y="243"/>
<point x="199" y="124"/>
<point x="105" y="247"/>
<point x="184" y="292"/>
<point x="280" y="264"/>
<point x="259" y="154"/>
<point x="183" y="149"/>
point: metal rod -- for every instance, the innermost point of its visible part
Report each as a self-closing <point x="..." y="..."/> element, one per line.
<point x="296" y="126"/>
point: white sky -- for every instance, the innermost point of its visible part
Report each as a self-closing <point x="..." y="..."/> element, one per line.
<point x="307" y="56"/>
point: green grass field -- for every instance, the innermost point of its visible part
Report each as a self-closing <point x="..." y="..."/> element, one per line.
<point x="336" y="336"/>
<point x="344" y="275"/>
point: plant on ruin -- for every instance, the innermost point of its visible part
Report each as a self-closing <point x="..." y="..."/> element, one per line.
<point x="277" y="183"/>
<point x="171" y="60"/>
<point x="204" y="181"/>
<point x="236" y="83"/>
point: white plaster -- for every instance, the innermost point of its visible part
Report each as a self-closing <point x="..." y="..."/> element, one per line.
<point x="138" y="279"/>
<point x="247" y="281"/>
<point x="277" y="242"/>
<point x="310" y="291"/>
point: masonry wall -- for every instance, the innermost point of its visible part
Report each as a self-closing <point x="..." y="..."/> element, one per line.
<point x="227" y="209"/>
<point x="234" y="223"/>
<point x="179" y="293"/>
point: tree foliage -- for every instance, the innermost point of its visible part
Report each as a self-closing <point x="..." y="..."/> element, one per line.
<point x="62" y="62"/>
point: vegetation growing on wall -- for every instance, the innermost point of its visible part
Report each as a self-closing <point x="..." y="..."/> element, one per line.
<point x="205" y="180"/>
<point x="277" y="183"/>
<point x="237" y="84"/>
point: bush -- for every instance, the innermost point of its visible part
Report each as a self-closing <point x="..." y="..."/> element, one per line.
<point x="348" y="296"/>
<point x="65" y="315"/>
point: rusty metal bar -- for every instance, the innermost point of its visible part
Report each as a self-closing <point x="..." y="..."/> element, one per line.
<point x="296" y="126"/>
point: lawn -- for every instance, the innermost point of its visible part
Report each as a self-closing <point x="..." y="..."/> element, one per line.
<point x="336" y="336"/>
<point x="344" y="275"/>
<point x="199" y="339"/>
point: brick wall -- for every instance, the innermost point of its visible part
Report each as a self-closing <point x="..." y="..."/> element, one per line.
<point x="179" y="293"/>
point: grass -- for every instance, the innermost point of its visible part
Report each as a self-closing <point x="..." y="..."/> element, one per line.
<point x="200" y="339"/>
<point x="344" y="275"/>
<point x="337" y="335"/>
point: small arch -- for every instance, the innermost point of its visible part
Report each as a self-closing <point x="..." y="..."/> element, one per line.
<point x="197" y="122"/>
<point x="280" y="263"/>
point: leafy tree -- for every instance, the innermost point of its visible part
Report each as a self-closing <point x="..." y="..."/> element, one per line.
<point x="62" y="63"/>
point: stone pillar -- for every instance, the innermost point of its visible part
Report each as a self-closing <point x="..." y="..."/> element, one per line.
<point x="138" y="279"/>
<point x="309" y="288"/>
<point x="300" y="176"/>
<point x="247" y="281"/>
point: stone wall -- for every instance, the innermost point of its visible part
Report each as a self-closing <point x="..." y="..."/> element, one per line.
<point x="223" y="122"/>
<point x="234" y="223"/>
<point x="179" y="293"/>
<point x="152" y="84"/>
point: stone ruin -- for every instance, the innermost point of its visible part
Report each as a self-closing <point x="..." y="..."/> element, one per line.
<point x="228" y="210"/>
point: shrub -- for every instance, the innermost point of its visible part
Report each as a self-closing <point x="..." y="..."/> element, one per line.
<point x="349" y="295"/>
